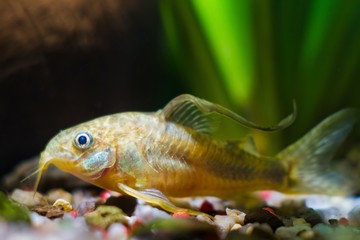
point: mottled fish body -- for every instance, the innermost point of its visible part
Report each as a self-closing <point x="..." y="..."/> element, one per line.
<point x="180" y="162"/>
<point x="171" y="153"/>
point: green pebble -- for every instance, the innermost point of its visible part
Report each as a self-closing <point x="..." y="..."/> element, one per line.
<point x="104" y="216"/>
<point x="291" y="232"/>
<point x="12" y="211"/>
<point x="339" y="232"/>
<point x="175" y="228"/>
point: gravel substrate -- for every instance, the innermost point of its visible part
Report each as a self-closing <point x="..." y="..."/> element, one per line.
<point x="106" y="215"/>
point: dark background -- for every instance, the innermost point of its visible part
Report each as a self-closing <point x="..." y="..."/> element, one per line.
<point x="65" y="62"/>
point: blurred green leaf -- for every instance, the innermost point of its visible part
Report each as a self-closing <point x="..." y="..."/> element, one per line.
<point x="11" y="211"/>
<point x="255" y="56"/>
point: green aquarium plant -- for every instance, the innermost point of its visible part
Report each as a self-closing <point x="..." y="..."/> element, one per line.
<point x="11" y="211"/>
<point x="256" y="56"/>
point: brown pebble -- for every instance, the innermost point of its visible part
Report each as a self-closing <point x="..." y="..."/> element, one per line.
<point x="260" y="233"/>
<point x="126" y="203"/>
<point x="333" y="222"/>
<point x="263" y="216"/>
<point x="49" y="211"/>
<point x="310" y="215"/>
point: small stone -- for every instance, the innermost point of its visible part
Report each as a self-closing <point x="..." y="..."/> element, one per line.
<point x="49" y="211"/>
<point x="307" y="234"/>
<point x="270" y="210"/>
<point x="79" y="197"/>
<point x="224" y="223"/>
<point x="207" y="207"/>
<point x="333" y="222"/>
<point x="28" y="198"/>
<point x="205" y="219"/>
<point x="299" y="221"/>
<point x="181" y="215"/>
<point x="86" y="207"/>
<point x="37" y="219"/>
<point x="237" y="215"/>
<point x="74" y="213"/>
<point x="263" y="216"/>
<point x="310" y="215"/>
<point x="343" y="221"/>
<point x="58" y="193"/>
<point x="340" y="232"/>
<point x="287" y="221"/>
<point x="346" y="232"/>
<point x="331" y="212"/>
<point x="175" y="228"/>
<point x="104" y="216"/>
<point x="249" y="228"/>
<point x="134" y="222"/>
<point x="236" y="227"/>
<point x="125" y="202"/>
<point x="291" y="232"/>
<point x="66" y="206"/>
<point x="323" y="228"/>
<point x="354" y="216"/>
<point x="11" y="211"/>
<point x="117" y="231"/>
<point x="235" y="235"/>
<point x="148" y="213"/>
<point x="263" y="231"/>
<point x="105" y="195"/>
<point x="289" y="207"/>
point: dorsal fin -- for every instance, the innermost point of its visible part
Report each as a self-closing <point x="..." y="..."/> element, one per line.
<point x="195" y="113"/>
<point x="185" y="111"/>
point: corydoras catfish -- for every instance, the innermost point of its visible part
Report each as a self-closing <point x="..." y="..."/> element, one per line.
<point x="171" y="153"/>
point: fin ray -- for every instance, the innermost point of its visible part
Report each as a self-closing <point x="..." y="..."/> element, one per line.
<point x="310" y="157"/>
<point x="177" y="110"/>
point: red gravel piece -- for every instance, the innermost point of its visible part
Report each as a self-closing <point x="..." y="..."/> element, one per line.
<point x="181" y="215"/>
<point x="206" y="207"/>
<point x="104" y="195"/>
<point x="270" y="210"/>
<point x="343" y="221"/>
<point x="74" y="213"/>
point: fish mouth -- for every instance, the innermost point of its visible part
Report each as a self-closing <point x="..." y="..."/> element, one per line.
<point x="45" y="162"/>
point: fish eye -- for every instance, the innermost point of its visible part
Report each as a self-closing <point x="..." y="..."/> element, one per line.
<point x="83" y="140"/>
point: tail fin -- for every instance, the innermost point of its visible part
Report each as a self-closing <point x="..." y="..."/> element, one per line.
<point x="308" y="159"/>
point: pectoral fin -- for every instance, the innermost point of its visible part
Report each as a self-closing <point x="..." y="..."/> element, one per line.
<point x="94" y="163"/>
<point x="157" y="198"/>
<point x="196" y="113"/>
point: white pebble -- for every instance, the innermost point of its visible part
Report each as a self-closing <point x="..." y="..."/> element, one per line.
<point x="20" y="236"/>
<point x="28" y="198"/>
<point x="236" y="227"/>
<point x="224" y="224"/>
<point x="117" y="231"/>
<point x="38" y="220"/>
<point x="204" y="219"/>
<point x="237" y="215"/>
<point x="147" y="213"/>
